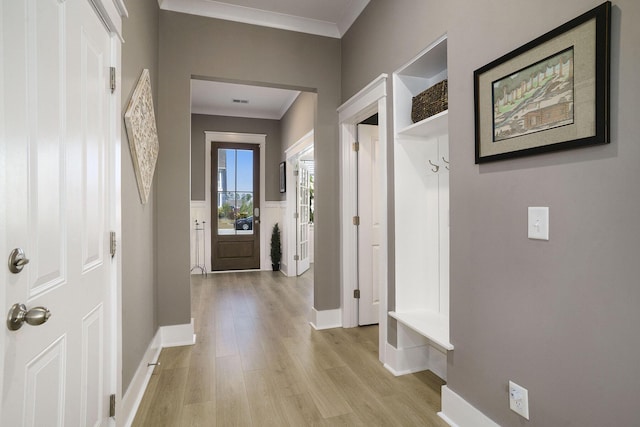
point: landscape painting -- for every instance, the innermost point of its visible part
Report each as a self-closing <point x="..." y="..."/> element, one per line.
<point x="537" y="98"/>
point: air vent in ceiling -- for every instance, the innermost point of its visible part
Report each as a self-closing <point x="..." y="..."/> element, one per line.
<point x="240" y="101"/>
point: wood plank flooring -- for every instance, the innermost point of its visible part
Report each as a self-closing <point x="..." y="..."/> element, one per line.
<point x="258" y="362"/>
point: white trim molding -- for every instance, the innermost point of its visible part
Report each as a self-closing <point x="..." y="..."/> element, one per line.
<point x="177" y="335"/>
<point x="457" y="412"/>
<point x="166" y="336"/>
<point x="326" y="319"/>
<point x="138" y="385"/>
<point x="266" y="18"/>
<point x="408" y="360"/>
<point x="111" y="13"/>
<point x="370" y="100"/>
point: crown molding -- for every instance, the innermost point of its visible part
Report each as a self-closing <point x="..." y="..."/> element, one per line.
<point x="247" y="15"/>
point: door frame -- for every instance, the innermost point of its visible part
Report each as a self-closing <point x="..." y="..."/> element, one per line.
<point x="238" y="138"/>
<point x="292" y="153"/>
<point x="111" y="12"/>
<point x="218" y="239"/>
<point x="370" y="100"/>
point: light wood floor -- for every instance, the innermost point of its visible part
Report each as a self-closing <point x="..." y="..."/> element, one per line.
<point x="258" y="362"/>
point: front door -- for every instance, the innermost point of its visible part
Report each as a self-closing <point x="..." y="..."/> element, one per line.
<point x="56" y="127"/>
<point x="369" y="229"/>
<point x="235" y="234"/>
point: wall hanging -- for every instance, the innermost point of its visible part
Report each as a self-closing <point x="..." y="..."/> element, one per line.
<point x="550" y="94"/>
<point x="140" y="122"/>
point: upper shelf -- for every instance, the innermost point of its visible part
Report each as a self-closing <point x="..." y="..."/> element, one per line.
<point x="429" y="127"/>
<point x="429" y="63"/>
<point x="419" y="74"/>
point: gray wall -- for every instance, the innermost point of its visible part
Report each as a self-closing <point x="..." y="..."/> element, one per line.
<point x="211" y="48"/>
<point x="559" y="317"/>
<point x="139" y="51"/>
<point x="299" y="119"/>
<point x="201" y="123"/>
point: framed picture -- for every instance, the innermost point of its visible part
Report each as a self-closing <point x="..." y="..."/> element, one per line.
<point x="550" y="94"/>
<point x="283" y="177"/>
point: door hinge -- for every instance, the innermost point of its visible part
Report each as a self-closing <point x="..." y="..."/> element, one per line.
<point x="112" y="79"/>
<point x="112" y="405"/>
<point x="356" y="293"/>
<point x="356" y="146"/>
<point x="295" y="215"/>
<point x="296" y="172"/>
<point x="112" y="243"/>
<point x="296" y="258"/>
<point x="356" y="220"/>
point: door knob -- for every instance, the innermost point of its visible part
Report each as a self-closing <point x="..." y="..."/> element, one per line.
<point x="19" y="314"/>
<point x="17" y="260"/>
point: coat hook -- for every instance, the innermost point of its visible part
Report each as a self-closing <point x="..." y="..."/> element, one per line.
<point x="437" y="167"/>
<point x="447" y="167"/>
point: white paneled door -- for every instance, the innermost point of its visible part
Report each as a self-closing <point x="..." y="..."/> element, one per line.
<point x="56" y="132"/>
<point x="303" y="217"/>
<point x="369" y="228"/>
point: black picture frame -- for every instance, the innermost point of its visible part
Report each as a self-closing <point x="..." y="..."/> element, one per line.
<point x="521" y="109"/>
<point x="283" y="177"/>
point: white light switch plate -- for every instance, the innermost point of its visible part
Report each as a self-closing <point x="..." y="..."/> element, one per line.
<point x="538" y="224"/>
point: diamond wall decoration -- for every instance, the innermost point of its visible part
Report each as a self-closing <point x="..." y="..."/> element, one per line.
<point x="140" y="122"/>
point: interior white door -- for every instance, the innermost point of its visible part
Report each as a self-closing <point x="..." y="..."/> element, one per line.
<point x="302" y="264"/>
<point x="369" y="229"/>
<point x="57" y="131"/>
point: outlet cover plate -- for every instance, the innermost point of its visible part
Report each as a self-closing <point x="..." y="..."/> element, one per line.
<point x="538" y="223"/>
<point x="519" y="399"/>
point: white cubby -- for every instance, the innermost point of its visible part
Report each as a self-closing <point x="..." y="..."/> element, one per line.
<point x="421" y="172"/>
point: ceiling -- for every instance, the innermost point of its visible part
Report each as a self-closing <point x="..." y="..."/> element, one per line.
<point x="330" y="18"/>
<point x="238" y="100"/>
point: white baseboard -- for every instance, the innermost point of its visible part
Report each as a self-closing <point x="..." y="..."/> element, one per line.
<point x="326" y="319"/>
<point x="457" y="412"/>
<point x="133" y="396"/>
<point x="177" y="335"/>
<point x="408" y="360"/>
<point x="166" y="336"/>
<point x="402" y="361"/>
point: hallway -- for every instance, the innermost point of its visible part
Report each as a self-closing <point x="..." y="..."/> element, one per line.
<point x="258" y="362"/>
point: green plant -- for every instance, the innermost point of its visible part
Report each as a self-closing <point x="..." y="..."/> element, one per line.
<point x="225" y="211"/>
<point x="276" y="246"/>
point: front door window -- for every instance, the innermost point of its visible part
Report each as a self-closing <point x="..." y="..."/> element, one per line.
<point x="235" y="193"/>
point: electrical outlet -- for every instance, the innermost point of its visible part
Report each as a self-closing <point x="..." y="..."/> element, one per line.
<point x="519" y="399"/>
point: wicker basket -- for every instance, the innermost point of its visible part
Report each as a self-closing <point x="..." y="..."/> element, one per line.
<point x="430" y="102"/>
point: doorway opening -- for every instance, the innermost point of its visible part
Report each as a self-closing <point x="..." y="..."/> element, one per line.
<point x="370" y="100"/>
<point x="368" y="219"/>
<point x="237" y="112"/>
<point x="300" y="205"/>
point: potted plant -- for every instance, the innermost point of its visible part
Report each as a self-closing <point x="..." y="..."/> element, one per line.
<point x="276" y="248"/>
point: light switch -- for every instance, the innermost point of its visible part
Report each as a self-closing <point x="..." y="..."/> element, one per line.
<point x="539" y="223"/>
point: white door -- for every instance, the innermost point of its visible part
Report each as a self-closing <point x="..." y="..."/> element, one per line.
<point x="303" y="216"/>
<point x="55" y="140"/>
<point x="369" y="229"/>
